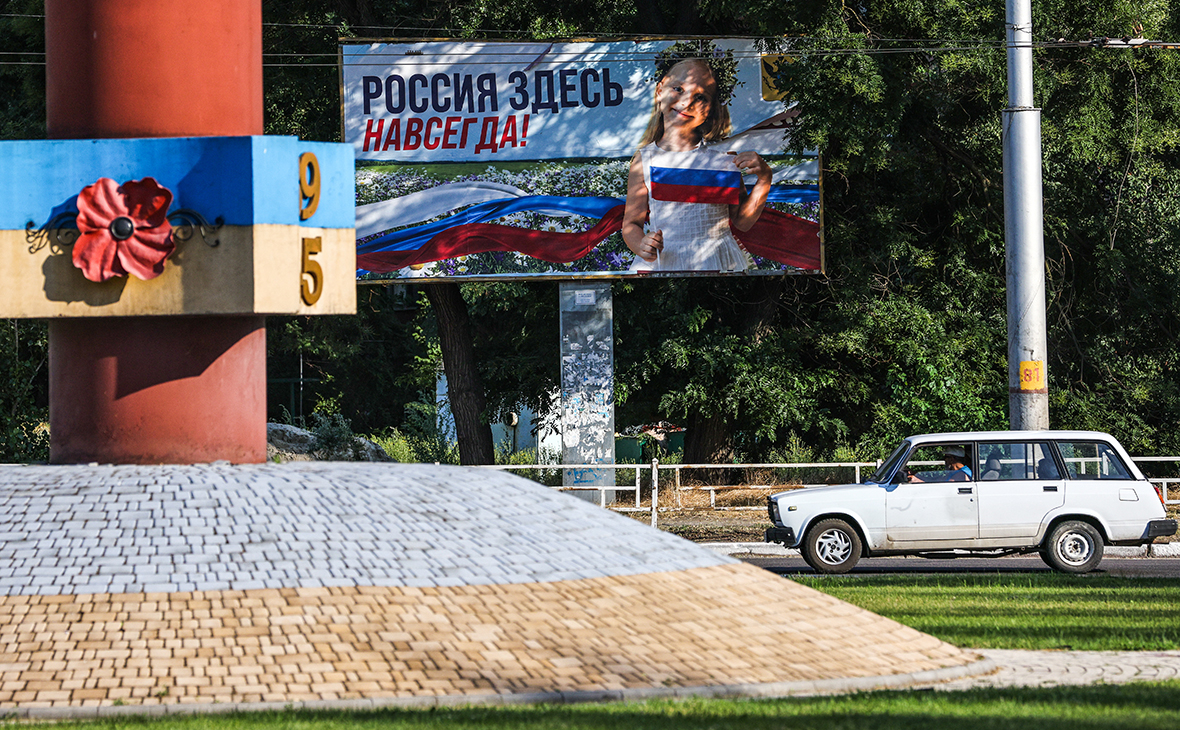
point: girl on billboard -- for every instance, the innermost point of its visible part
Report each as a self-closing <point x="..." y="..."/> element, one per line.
<point x="687" y="194"/>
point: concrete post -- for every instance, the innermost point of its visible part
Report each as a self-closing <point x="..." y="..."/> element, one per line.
<point x="587" y="386"/>
<point x="1028" y="399"/>
<point x="155" y="389"/>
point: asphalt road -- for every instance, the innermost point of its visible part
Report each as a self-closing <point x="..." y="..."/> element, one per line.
<point x="1123" y="567"/>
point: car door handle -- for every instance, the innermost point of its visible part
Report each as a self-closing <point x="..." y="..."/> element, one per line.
<point x="964" y="490"/>
<point x="1050" y="488"/>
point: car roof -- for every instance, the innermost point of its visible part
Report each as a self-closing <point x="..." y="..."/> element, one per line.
<point x="964" y="436"/>
<point x="1010" y="436"/>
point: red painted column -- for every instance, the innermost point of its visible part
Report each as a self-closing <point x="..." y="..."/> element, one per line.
<point x="155" y="389"/>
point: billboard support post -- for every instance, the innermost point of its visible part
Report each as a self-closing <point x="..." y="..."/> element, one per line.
<point x="1028" y="394"/>
<point x="587" y="387"/>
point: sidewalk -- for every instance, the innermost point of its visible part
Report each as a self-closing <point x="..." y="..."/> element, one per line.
<point x="1020" y="668"/>
<point x="312" y="584"/>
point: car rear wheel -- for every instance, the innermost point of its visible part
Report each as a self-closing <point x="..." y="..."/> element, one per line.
<point x="1073" y="547"/>
<point x="831" y="546"/>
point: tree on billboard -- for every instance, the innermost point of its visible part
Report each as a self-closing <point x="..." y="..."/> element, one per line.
<point x="912" y="312"/>
<point x="906" y="332"/>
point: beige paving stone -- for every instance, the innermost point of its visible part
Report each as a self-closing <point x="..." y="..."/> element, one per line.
<point x="727" y="624"/>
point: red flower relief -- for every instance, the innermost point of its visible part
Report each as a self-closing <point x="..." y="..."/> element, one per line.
<point x="124" y="229"/>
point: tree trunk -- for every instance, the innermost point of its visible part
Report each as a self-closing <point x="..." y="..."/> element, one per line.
<point x="762" y="314"/>
<point x="464" y="387"/>
<point x="707" y="440"/>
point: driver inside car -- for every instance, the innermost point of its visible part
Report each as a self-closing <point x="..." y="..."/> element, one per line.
<point x="955" y="458"/>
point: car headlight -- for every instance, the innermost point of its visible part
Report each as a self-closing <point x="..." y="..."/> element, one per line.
<point x="772" y="509"/>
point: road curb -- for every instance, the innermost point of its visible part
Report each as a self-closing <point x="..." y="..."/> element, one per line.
<point x="748" y="549"/>
<point x="841" y="685"/>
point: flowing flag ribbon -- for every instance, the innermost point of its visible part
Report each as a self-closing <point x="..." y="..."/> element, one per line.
<point x="777" y="236"/>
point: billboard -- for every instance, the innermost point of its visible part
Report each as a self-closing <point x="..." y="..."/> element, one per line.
<point x="484" y="159"/>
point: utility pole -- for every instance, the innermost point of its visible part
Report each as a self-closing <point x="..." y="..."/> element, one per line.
<point x="1028" y="393"/>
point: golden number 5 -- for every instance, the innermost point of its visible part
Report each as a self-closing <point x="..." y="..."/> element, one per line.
<point x="312" y="289"/>
<point x="309" y="185"/>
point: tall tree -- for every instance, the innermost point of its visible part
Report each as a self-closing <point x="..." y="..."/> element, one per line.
<point x="910" y="134"/>
<point x="464" y="385"/>
<point x="906" y="331"/>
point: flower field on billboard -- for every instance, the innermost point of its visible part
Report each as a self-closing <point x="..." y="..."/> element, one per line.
<point x="602" y="179"/>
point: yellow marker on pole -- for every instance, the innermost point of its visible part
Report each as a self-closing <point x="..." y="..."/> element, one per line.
<point x="1032" y="375"/>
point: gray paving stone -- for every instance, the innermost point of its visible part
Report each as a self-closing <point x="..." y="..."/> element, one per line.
<point x="1020" y="668"/>
<point x="211" y="527"/>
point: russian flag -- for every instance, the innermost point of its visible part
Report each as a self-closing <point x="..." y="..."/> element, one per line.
<point x="696" y="178"/>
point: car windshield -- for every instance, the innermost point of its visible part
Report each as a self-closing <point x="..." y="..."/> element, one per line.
<point x="883" y="472"/>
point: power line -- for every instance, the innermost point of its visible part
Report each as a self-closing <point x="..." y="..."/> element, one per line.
<point x="519" y="36"/>
<point x="794" y="45"/>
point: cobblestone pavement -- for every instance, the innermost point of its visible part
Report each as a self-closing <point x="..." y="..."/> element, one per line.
<point x="168" y="529"/>
<point x="1019" y="668"/>
<point x="313" y="583"/>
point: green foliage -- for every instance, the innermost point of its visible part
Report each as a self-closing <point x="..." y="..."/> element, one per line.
<point x="905" y="333"/>
<point x="333" y="436"/>
<point x="299" y="43"/>
<point x="517" y="339"/>
<point x="369" y="365"/>
<point x="539" y="19"/>
<point x="420" y="439"/>
<point x="24" y="411"/>
<point x="550" y="477"/>
<point x="396" y="445"/>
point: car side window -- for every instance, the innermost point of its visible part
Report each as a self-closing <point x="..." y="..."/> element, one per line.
<point x="1092" y="460"/>
<point x="1015" y="461"/>
<point x="938" y="463"/>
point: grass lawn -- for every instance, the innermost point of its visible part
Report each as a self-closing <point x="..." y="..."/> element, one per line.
<point x="1138" y="706"/>
<point x="1036" y="611"/>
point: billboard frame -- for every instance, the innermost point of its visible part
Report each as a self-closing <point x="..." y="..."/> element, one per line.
<point x="386" y="278"/>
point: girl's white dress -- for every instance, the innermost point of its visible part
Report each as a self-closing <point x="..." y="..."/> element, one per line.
<point x="696" y="235"/>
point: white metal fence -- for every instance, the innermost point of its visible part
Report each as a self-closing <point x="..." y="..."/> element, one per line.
<point x="652" y="471"/>
<point x="636" y="489"/>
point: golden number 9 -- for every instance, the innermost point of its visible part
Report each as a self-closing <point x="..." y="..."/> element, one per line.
<point x="311" y="290"/>
<point x="309" y="185"/>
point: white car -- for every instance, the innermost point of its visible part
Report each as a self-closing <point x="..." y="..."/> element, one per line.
<point x="1064" y="494"/>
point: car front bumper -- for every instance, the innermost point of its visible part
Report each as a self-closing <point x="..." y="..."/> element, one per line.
<point x="1161" y="528"/>
<point x="784" y="536"/>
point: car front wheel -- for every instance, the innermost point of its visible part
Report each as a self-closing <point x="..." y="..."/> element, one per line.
<point x="1073" y="547"/>
<point x="831" y="546"/>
